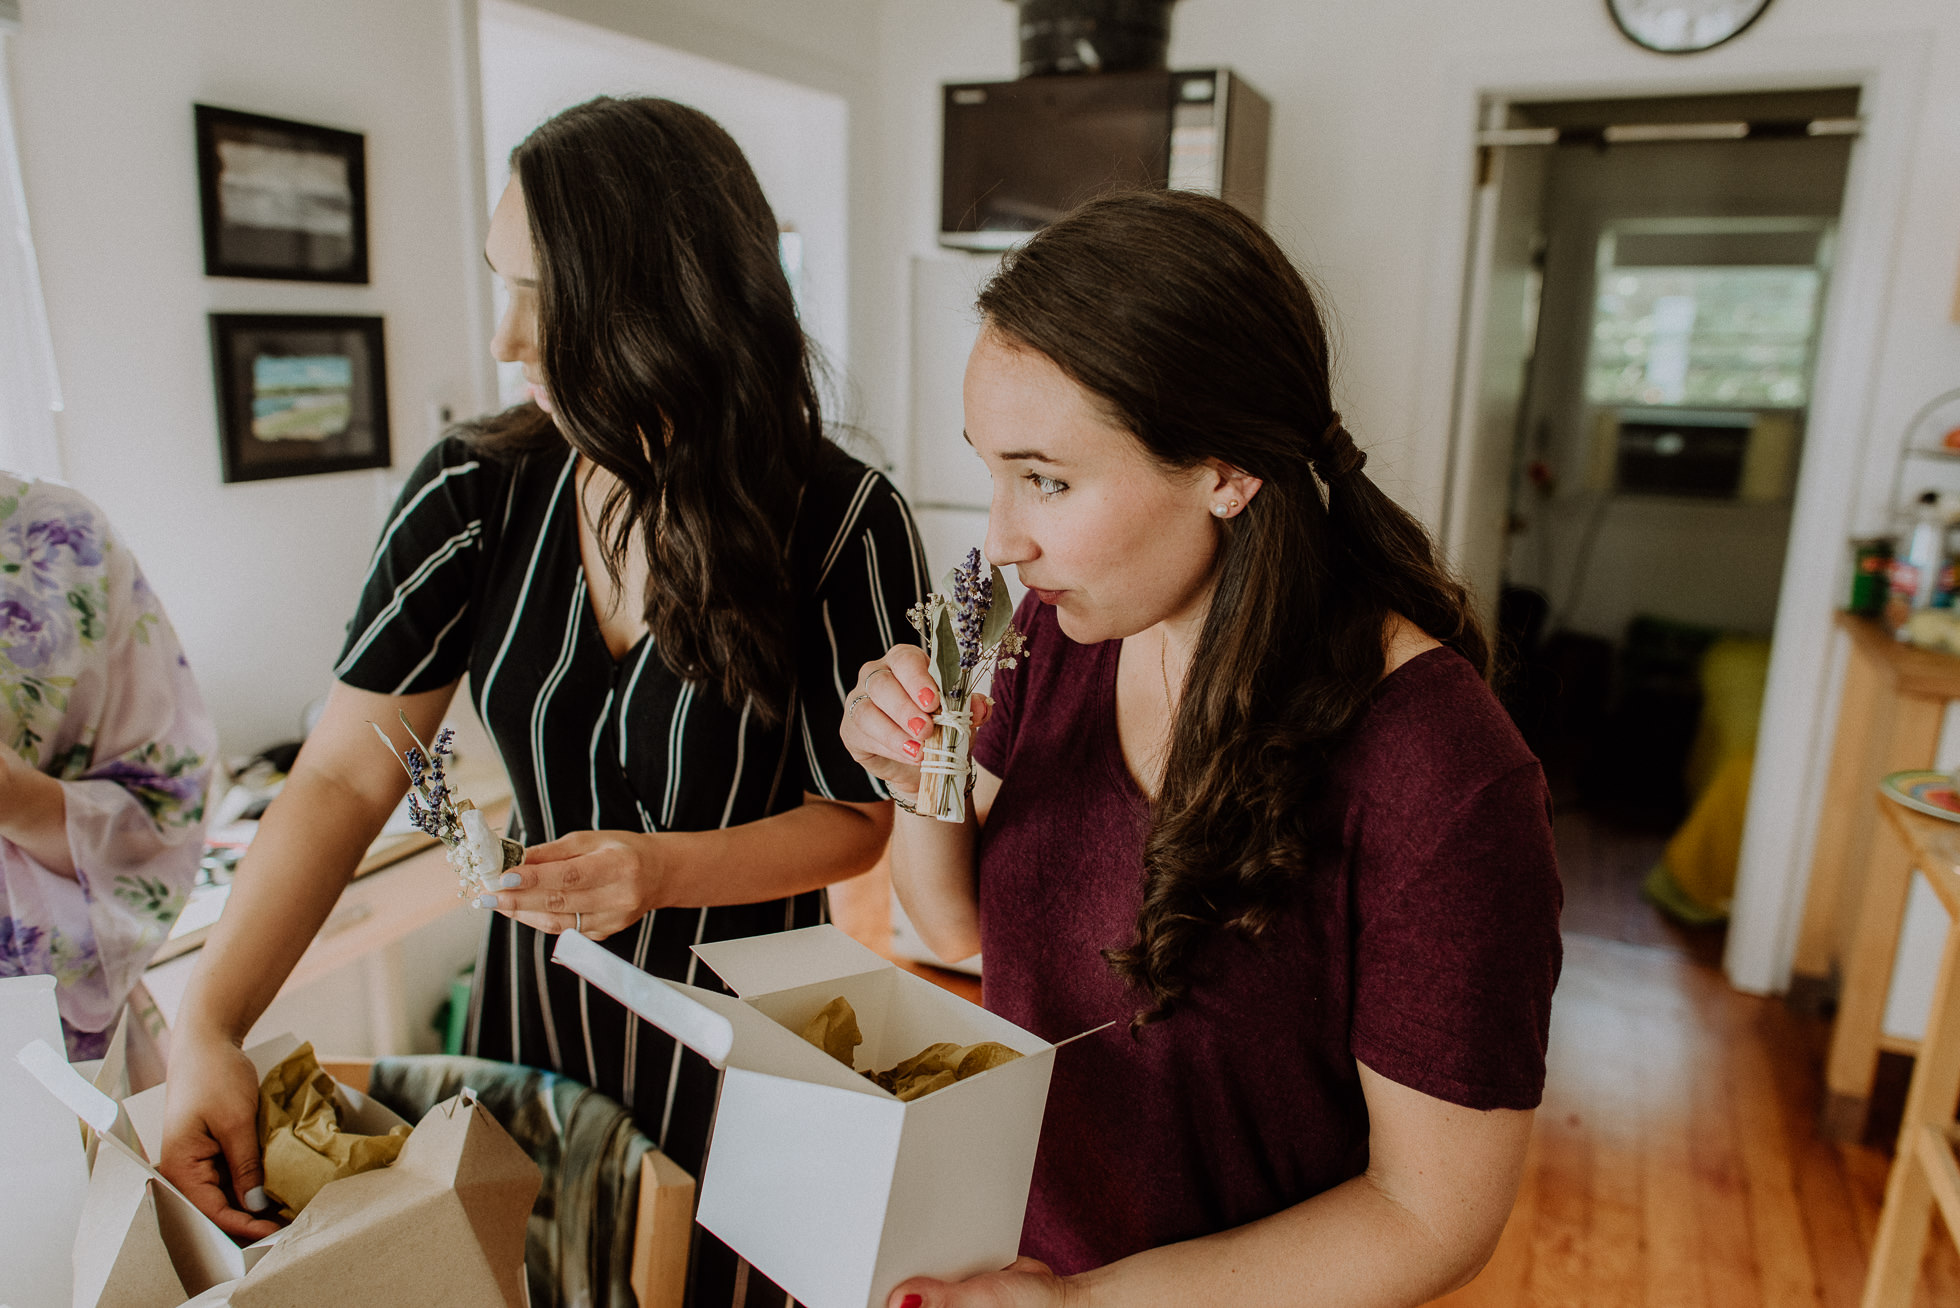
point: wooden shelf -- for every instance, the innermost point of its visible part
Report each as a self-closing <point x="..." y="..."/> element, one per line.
<point x="1914" y="671"/>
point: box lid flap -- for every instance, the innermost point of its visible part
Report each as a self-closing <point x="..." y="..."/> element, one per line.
<point x="783" y="960"/>
<point x="38" y="1140"/>
<point x="207" y="1253"/>
<point x="722" y="1029"/>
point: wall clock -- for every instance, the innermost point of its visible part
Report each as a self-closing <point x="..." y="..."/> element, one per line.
<point x="1684" y="26"/>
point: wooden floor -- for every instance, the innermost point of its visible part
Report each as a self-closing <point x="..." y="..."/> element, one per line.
<point x="1674" y="1160"/>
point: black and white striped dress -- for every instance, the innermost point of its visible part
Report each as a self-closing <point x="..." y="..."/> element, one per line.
<point x="478" y="571"/>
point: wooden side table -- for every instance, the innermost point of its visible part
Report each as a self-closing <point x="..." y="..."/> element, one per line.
<point x="1925" y="1171"/>
<point x="1889" y="716"/>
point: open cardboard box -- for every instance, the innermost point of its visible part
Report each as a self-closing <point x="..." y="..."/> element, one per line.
<point x="826" y="1183"/>
<point x="443" y="1225"/>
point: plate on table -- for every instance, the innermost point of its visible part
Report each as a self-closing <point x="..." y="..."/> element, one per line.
<point x="1925" y="791"/>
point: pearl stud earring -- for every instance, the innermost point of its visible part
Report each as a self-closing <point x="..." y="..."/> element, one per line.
<point x="1220" y="510"/>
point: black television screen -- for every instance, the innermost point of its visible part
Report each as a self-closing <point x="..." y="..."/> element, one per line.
<point x="1018" y="155"/>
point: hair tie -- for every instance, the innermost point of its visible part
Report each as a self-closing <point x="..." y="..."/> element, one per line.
<point x="1338" y="458"/>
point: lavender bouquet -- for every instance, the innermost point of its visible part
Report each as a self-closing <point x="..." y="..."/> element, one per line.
<point x="966" y="637"/>
<point x="478" y="854"/>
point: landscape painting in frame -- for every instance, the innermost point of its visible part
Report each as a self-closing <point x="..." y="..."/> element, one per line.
<point x="299" y="394"/>
<point x="281" y="199"/>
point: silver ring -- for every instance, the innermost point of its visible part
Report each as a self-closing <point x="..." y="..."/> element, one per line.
<point x="851" y="709"/>
<point x="578" y="923"/>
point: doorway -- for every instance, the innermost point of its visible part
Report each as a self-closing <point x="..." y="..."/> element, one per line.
<point x="1648" y="280"/>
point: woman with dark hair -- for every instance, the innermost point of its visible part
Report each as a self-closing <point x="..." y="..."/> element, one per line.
<point x="1246" y="795"/>
<point x="653" y="573"/>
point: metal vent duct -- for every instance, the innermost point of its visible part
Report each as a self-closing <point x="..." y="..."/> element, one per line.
<point x="1093" y="36"/>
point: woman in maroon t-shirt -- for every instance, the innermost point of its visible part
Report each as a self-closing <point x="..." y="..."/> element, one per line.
<point x="1246" y="793"/>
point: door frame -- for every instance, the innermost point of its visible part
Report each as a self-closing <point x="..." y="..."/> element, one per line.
<point x="1840" y="454"/>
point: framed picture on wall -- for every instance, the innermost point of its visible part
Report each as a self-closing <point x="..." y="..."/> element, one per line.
<point x="281" y="199"/>
<point x="299" y="394"/>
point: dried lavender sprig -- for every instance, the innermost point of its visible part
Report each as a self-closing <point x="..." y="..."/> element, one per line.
<point x="430" y="805"/>
<point x="972" y="597"/>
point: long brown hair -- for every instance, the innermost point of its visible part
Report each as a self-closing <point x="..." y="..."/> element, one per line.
<point x="1188" y="321"/>
<point x="671" y="347"/>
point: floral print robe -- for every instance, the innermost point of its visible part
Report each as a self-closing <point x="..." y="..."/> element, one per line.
<point x="94" y="690"/>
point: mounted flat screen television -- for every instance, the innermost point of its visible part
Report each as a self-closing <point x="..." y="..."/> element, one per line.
<point x="1018" y="155"/>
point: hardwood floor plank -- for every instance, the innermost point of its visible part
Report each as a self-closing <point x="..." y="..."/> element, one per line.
<point x="1782" y="1246"/>
<point x="1672" y="1241"/>
<point x="1615" y="1268"/>
<point x="1838" y="1243"/>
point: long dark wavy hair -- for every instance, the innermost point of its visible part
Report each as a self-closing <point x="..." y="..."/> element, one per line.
<point x="670" y="344"/>
<point x="1190" y="324"/>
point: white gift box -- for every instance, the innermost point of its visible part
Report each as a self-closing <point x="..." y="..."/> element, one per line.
<point x="826" y="1183"/>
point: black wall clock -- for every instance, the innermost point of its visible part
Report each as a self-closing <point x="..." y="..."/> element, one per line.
<point x="1684" y="26"/>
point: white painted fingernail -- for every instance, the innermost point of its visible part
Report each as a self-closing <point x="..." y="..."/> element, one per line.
<point x="511" y="881"/>
<point x="484" y="901"/>
<point x="255" y="1200"/>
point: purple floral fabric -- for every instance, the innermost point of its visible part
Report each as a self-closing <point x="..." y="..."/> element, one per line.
<point x="94" y="690"/>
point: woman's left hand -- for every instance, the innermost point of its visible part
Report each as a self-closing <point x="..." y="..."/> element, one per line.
<point x="1024" y="1283"/>
<point x="598" y="882"/>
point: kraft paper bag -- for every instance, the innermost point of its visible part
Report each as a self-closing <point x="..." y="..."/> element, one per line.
<point x="443" y="1227"/>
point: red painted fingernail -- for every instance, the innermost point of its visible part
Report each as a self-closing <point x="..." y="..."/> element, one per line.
<point x="926" y="698"/>
<point x="912" y="1301"/>
<point x="912" y="748"/>
<point x="917" y="726"/>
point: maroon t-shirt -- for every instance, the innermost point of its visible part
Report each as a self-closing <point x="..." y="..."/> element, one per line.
<point x="1424" y="942"/>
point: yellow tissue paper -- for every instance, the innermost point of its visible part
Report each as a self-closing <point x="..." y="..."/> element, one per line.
<point x="300" y="1136"/>
<point x="835" y="1031"/>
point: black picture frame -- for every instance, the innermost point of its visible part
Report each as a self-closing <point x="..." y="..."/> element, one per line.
<point x="300" y="394"/>
<point x="281" y="200"/>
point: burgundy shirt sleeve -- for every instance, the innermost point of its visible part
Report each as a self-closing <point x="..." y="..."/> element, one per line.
<point x="1457" y="951"/>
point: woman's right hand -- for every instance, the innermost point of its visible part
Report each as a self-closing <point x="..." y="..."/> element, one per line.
<point x="211" y="1133"/>
<point x="889" y="714"/>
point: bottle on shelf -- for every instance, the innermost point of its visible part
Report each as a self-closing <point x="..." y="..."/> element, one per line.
<point x="1919" y="565"/>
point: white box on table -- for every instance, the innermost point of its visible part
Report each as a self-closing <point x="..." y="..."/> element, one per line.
<point x="826" y="1183"/>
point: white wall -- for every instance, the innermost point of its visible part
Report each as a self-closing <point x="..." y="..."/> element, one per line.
<point x="259" y="578"/>
<point x="832" y="46"/>
<point x="1374" y="114"/>
<point x="536" y="63"/>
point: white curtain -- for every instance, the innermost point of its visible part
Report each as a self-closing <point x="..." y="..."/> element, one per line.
<point x="30" y="391"/>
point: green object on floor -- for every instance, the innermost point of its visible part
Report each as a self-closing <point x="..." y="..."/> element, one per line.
<point x="1662" y="891"/>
